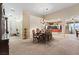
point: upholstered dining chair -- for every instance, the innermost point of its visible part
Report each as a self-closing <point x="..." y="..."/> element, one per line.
<point x="34" y="36"/>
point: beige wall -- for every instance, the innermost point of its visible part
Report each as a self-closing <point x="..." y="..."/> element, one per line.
<point x="65" y="13"/>
<point x="26" y="24"/>
<point x="30" y="22"/>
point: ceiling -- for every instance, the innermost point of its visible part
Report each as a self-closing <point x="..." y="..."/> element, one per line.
<point x="39" y="9"/>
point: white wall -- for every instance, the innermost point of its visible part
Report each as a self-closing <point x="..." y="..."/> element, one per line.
<point x="14" y="15"/>
<point x="34" y="23"/>
<point x="15" y="18"/>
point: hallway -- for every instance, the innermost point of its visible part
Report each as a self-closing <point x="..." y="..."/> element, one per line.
<point x="68" y="45"/>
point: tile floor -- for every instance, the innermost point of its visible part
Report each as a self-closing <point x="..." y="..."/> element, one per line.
<point x="64" y="44"/>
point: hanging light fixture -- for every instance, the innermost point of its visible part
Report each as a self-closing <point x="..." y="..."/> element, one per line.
<point x="43" y="20"/>
<point x="44" y="14"/>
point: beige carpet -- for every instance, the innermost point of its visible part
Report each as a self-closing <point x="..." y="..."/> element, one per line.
<point x="62" y="45"/>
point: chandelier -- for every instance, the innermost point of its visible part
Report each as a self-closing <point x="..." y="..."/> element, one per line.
<point x="43" y="16"/>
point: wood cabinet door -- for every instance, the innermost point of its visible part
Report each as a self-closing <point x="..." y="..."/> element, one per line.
<point x="0" y="21"/>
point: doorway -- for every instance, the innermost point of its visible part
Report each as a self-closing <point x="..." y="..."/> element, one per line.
<point x="73" y="27"/>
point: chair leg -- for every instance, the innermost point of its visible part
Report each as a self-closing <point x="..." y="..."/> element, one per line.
<point x="38" y="40"/>
<point x="33" y="40"/>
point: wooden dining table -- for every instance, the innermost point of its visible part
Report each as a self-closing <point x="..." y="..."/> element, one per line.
<point x="44" y="37"/>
